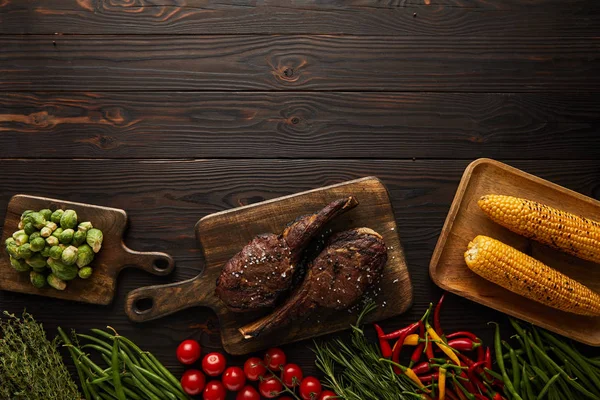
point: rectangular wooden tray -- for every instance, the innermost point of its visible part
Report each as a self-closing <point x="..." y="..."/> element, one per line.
<point x="466" y="220"/>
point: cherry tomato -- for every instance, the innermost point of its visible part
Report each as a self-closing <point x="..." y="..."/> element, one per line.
<point x="310" y="388"/>
<point x="214" y="390"/>
<point x="247" y="393"/>
<point x="270" y="387"/>
<point x="254" y="368"/>
<point x="188" y="352"/>
<point x="328" y="395"/>
<point x="213" y="364"/>
<point x="192" y="382"/>
<point x="292" y="375"/>
<point x="234" y="379"/>
<point x="275" y="358"/>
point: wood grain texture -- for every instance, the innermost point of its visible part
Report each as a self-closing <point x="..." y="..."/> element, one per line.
<point x="413" y="17"/>
<point x="224" y="234"/>
<point x="299" y="124"/>
<point x="112" y="258"/>
<point x="324" y="63"/>
<point x="466" y="220"/>
<point x="164" y="199"/>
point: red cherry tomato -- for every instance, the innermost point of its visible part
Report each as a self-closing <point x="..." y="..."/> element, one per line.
<point x="213" y="364"/>
<point x="192" y="382"/>
<point x="275" y="358"/>
<point x="254" y="368"/>
<point x="270" y="387"/>
<point x="310" y="388"/>
<point x="328" y="395"/>
<point x="214" y="390"/>
<point x="188" y="352"/>
<point x="247" y="393"/>
<point x="234" y="379"/>
<point x="292" y="375"/>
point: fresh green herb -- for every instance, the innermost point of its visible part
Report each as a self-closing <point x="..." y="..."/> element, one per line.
<point x="30" y="365"/>
<point x="354" y="370"/>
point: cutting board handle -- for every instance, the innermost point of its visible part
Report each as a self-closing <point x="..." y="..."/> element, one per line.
<point x="153" y="262"/>
<point x="152" y="302"/>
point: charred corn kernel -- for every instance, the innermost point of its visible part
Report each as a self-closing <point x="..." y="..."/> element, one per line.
<point x="564" y="231"/>
<point x="524" y="275"/>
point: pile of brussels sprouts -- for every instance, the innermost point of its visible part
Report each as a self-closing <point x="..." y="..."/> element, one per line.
<point x="53" y="247"/>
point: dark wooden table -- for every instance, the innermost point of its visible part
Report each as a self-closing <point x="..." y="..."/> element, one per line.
<point x="176" y="109"/>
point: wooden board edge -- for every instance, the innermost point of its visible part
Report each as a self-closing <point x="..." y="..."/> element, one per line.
<point x="49" y="199"/>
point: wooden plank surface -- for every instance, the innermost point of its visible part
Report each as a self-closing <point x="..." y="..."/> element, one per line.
<point x="324" y="63"/>
<point x="164" y="199"/>
<point x="299" y="124"/>
<point x="452" y="17"/>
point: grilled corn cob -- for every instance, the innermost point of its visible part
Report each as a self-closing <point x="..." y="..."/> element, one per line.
<point x="561" y="230"/>
<point x="524" y="275"/>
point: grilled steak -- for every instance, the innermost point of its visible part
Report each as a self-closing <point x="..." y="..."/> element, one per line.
<point x="263" y="270"/>
<point x="351" y="262"/>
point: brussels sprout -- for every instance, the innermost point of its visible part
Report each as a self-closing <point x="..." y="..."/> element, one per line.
<point x="13" y="250"/>
<point x="36" y="261"/>
<point x="85" y="255"/>
<point x="19" y="265"/>
<point x="29" y="228"/>
<point x="85" y="226"/>
<point x="37" y="244"/>
<point x="78" y="238"/>
<point x="57" y="232"/>
<point x="21" y="225"/>
<point x="34" y="235"/>
<point x="22" y="239"/>
<point x="24" y="251"/>
<point x="68" y="219"/>
<point x="69" y="255"/>
<point x="25" y="213"/>
<point x="40" y="269"/>
<point x="85" y="272"/>
<point x="52" y="241"/>
<point x="46" y="213"/>
<point x="56" y="215"/>
<point x="45" y="232"/>
<point x="56" y="282"/>
<point x="9" y="241"/>
<point x="94" y="239"/>
<point x="17" y="233"/>
<point x="45" y="252"/>
<point x="52" y="226"/>
<point x="61" y="270"/>
<point x="37" y="279"/>
<point x="55" y="252"/>
<point x="36" y="219"/>
<point x="66" y="236"/>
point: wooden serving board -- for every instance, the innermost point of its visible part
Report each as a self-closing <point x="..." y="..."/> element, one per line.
<point x="223" y="234"/>
<point x="112" y="258"/>
<point x="466" y="220"/>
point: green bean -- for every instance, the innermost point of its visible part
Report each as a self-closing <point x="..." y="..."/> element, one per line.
<point x="106" y="359"/>
<point x="151" y="376"/>
<point x="571" y="382"/>
<point x="78" y="365"/>
<point x="576" y="372"/>
<point x="139" y="376"/>
<point x="515" y="367"/>
<point x="166" y="373"/>
<point x="140" y="385"/>
<point x="545" y="389"/>
<point x="115" y="371"/>
<point x="101" y="379"/>
<point x="106" y="396"/>
<point x="95" y="340"/>
<point x="500" y="360"/>
<point x="525" y="378"/>
<point x="102" y="350"/>
<point x="493" y="373"/>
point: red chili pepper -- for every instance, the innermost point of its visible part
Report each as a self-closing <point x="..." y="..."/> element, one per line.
<point x="398" y="346"/>
<point x="384" y="345"/>
<point x="488" y="361"/>
<point x="480" y="353"/>
<point x="429" y="378"/>
<point x="436" y="316"/>
<point x="475" y="366"/>
<point x="470" y="335"/>
<point x="399" y="332"/>
<point x="497" y="396"/>
<point x="472" y="372"/>
<point x="451" y="395"/>
<point x="468" y="362"/>
<point x="463" y="344"/>
<point x="422" y="368"/>
<point x="467" y="384"/>
<point x="480" y="397"/>
<point x="416" y="355"/>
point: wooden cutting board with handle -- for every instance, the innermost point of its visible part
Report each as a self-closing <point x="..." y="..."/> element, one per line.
<point x="112" y="258"/>
<point x="223" y="234"/>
